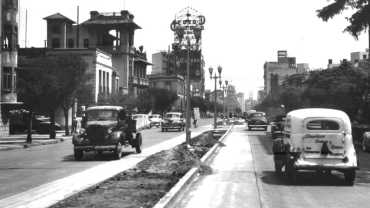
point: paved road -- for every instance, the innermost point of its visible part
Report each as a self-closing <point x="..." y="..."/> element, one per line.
<point x="311" y="189"/>
<point x="244" y="177"/>
<point x="23" y="169"/>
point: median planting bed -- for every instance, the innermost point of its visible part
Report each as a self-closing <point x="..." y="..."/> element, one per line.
<point x="150" y="180"/>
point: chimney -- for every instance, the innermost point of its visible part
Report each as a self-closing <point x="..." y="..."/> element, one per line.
<point x="94" y="14"/>
<point x="330" y="61"/>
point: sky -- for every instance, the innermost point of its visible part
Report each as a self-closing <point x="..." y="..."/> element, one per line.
<point x="239" y="35"/>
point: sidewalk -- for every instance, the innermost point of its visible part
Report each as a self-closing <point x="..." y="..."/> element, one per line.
<point x="233" y="181"/>
<point x="18" y="141"/>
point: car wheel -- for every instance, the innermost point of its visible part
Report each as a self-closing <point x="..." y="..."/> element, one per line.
<point x="118" y="151"/>
<point x="78" y="154"/>
<point x="138" y="143"/>
<point x="162" y="129"/>
<point x="349" y="176"/>
<point x="249" y="128"/>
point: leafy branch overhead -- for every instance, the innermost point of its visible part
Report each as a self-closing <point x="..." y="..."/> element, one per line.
<point x="359" y="20"/>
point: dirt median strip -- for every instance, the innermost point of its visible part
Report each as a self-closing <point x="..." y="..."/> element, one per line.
<point x="146" y="183"/>
<point x="180" y="187"/>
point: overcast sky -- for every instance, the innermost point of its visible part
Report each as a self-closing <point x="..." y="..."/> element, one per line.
<point x="239" y="35"/>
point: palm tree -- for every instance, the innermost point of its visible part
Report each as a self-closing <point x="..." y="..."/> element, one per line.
<point x="358" y="22"/>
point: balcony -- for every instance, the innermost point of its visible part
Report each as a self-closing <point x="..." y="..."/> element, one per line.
<point x="138" y="81"/>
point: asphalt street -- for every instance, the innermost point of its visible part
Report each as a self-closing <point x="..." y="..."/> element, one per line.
<point x="23" y="169"/>
<point x="243" y="176"/>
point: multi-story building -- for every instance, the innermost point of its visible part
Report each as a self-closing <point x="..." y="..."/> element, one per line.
<point x="276" y="72"/>
<point x="110" y="32"/>
<point x="174" y="83"/>
<point x="8" y="61"/>
<point x="241" y="101"/>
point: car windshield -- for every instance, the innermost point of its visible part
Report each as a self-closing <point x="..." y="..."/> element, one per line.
<point x="171" y="115"/>
<point x="102" y="115"/>
<point x="257" y="115"/>
<point x="154" y="116"/>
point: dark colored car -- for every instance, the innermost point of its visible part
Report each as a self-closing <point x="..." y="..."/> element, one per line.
<point x="173" y="120"/>
<point x="18" y="123"/>
<point x="257" y="120"/>
<point x="106" y="128"/>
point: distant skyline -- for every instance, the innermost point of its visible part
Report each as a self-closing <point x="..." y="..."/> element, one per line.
<point x="239" y="35"/>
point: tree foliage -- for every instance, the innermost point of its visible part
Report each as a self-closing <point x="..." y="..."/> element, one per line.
<point x="49" y="82"/>
<point x="358" y="21"/>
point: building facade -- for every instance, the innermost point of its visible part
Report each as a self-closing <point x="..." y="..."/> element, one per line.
<point x="173" y="83"/>
<point x="276" y="72"/>
<point x="9" y="61"/>
<point x="110" y="32"/>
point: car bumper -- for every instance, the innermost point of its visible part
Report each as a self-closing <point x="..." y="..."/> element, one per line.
<point x="325" y="164"/>
<point x="96" y="147"/>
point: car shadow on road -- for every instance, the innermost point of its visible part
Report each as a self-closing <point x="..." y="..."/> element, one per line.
<point x="305" y="178"/>
<point x="90" y="156"/>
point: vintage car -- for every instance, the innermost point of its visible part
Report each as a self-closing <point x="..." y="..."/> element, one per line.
<point x="173" y="120"/>
<point x="142" y="121"/>
<point x="257" y="120"/>
<point x="316" y="139"/>
<point x="155" y="120"/>
<point x="106" y="128"/>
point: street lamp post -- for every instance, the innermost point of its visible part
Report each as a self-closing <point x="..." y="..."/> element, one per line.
<point x="224" y="92"/>
<point x="215" y="77"/>
<point x="188" y="27"/>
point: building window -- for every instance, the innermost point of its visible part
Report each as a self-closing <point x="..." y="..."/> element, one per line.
<point x="86" y="43"/>
<point x="70" y="43"/>
<point x="104" y="82"/>
<point x="7" y="79"/>
<point x="100" y="86"/>
<point x="55" y="43"/>
<point x="55" y="29"/>
<point x="107" y="77"/>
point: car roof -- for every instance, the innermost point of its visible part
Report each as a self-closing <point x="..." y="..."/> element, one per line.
<point x="317" y="112"/>
<point x="174" y="113"/>
<point x="105" y="107"/>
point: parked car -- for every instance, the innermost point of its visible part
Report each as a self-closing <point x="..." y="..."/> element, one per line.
<point x="173" y="120"/>
<point x="142" y="121"/>
<point x="257" y="120"/>
<point x="316" y="139"/>
<point x="106" y="128"/>
<point x="155" y="120"/>
<point x="18" y="123"/>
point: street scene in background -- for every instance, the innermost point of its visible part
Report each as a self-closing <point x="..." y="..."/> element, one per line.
<point x="192" y="104"/>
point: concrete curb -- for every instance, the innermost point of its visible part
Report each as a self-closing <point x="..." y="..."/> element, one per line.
<point x="167" y="200"/>
<point x="23" y="145"/>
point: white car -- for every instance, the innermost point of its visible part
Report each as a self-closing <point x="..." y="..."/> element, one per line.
<point x="155" y="120"/>
<point x="142" y="121"/>
<point x="316" y="139"/>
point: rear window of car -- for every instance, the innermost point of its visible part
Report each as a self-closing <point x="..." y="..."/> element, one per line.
<point x="322" y="125"/>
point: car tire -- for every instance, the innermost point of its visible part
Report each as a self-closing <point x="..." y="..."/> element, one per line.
<point x="78" y="154"/>
<point x="249" y="128"/>
<point x="138" y="143"/>
<point x="118" y="151"/>
<point x="350" y="176"/>
<point x="278" y="166"/>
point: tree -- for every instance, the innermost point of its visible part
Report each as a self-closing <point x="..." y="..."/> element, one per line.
<point x="358" y="22"/>
<point x="49" y="82"/>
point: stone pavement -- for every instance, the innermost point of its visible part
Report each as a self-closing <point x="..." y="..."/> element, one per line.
<point x="18" y="141"/>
